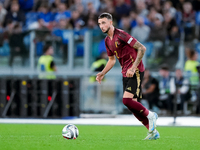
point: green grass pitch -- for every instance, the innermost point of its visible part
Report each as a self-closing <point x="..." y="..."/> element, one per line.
<point x="96" y="137"/>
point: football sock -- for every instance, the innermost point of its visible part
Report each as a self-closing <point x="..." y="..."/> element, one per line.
<point x="135" y="107"/>
<point x="142" y="119"/>
<point x="150" y="115"/>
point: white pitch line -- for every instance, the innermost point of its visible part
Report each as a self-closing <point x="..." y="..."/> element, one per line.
<point x="128" y="121"/>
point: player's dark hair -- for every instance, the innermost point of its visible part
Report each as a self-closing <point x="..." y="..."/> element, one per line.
<point x="105" y="15"/>
<point x="46" y="47"/>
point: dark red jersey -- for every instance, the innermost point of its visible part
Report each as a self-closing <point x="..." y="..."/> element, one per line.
<point x="122" y="47"/>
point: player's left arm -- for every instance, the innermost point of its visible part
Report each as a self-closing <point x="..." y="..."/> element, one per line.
<point x="141" y="50"/>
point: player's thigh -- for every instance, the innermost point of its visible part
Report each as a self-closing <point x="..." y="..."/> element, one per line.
<point x="128" y="95"/>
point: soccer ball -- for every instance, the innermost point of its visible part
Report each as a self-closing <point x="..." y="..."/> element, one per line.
<point x="70" y="131"/>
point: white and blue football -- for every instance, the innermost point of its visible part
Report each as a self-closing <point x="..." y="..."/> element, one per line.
<point x="70" y="131"/>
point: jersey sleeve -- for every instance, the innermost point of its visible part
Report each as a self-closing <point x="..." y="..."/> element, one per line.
<point x="109" y="52"/>
<point x="127" y="38"/>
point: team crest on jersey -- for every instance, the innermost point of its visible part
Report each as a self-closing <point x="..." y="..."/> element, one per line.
<point x="117" y="44"/>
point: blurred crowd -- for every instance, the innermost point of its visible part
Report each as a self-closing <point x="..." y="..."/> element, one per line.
<point x="160" y="22"/>
<point x="170" y="93"/>
<point x="158" y="19"/>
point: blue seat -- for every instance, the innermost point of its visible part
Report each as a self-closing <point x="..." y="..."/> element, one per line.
<point x="197" y="17"/>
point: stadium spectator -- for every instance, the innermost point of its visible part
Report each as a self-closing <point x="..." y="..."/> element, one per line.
<point x="81" y="10"/>
<point x="191" y="67"/>
<point x="26" y="5"/>
<point x="75" y="5"/>
<point x="128" y="2"/>
<point x="141" y="8"/>
<point x="157" y="4"/>
<point x="180" y="88"/>
<point x="46" y="64"/>
<point x="150" y="89"/>
<point x="94" y="4"/>
<point x="151" y="17"/>
<point x="78" y="25"/>
<point x="90" y="13"/>
<point x="15" y="14"/>
<point x="54" y="5"/>
<point x="64" y="23"/>
<point x="158" y="34"/>
<point x="91" y="9"/>
<point x="141" y="31"/>
<point x="78" y="6"/>
<point x="61" y="31"/>
<point x="16" y="43"/>
<point x="8" y="29"/>
<point x="3" y="13"/>
<point x="172" y="28"/>
<point x="5" y="3"/>
<point x="133" y="16"/>
<point x="92" y="24"/>
<point x="39" y="25"/>
<point x="188" y="21"/>
<point x="45" y="16"/>
<point x="75" y="18"/>
<point x="107" y="6"/>
<point x="158" y="31"/>
<point x="63" y="12"/>
<point x="166" y="97"/>
<point x="38" y="3"/>
<point x="125" y="24"/>
<point x="168" y="8"/>
<point x="121" y="9"/>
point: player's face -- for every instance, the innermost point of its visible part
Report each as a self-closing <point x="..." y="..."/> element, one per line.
<point x="104" y="24"/>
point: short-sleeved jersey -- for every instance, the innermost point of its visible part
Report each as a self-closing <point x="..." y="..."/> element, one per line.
<point x="122" y="47"/>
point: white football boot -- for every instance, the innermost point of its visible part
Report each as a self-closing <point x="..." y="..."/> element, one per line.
<point x="153" y="135"/>
<point x="152" y="121"/>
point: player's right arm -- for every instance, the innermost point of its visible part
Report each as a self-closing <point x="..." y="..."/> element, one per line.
<point x="109" y="65"/>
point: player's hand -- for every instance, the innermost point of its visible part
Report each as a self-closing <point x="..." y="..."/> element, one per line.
<point x="130" y="72"/>
<point x="99" y="77"/>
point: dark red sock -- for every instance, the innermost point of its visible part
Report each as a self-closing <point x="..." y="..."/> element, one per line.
<point x="142" y="119"/>
<point x="135" y="107"/>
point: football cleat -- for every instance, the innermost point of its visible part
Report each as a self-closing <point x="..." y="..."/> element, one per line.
<point x="152" y="122"/>
<point x="153" y="135"/>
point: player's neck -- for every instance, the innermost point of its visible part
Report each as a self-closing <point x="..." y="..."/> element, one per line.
<point x="111" y="32"/>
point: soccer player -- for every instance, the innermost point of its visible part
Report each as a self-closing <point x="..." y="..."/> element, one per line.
<point x="129" y="52"/>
